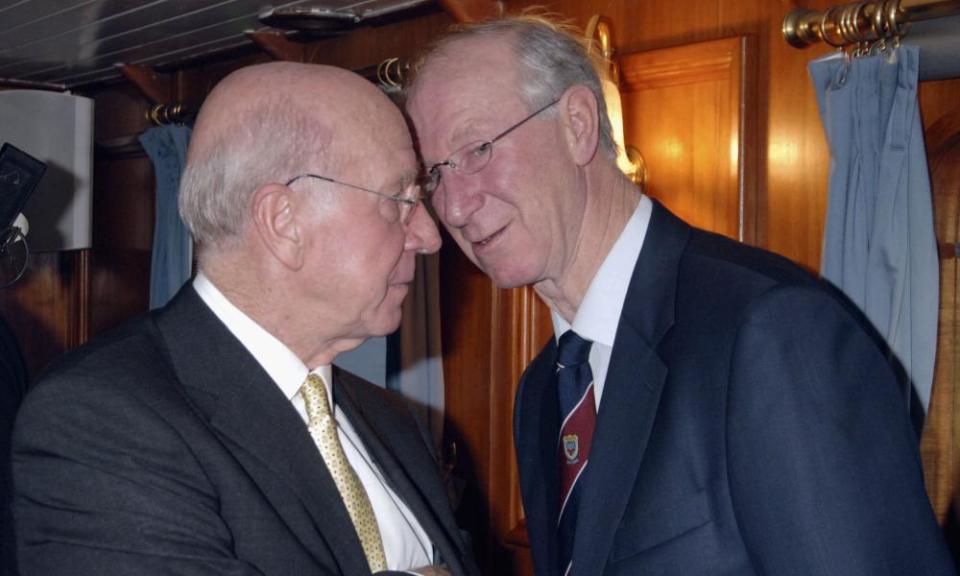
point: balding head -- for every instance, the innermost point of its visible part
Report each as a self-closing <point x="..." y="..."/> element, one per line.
<point x="300" y="189"/>
<point x="265" y="124"/>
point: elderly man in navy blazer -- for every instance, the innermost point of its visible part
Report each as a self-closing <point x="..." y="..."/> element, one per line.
<point x="213" y="437"/>
<point x="707" y="408"/>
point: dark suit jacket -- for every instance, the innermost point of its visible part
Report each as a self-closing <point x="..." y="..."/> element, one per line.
<point x="164" y="448"/>
<point x="748" y="425"/>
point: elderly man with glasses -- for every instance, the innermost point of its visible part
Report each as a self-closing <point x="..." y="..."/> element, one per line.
<point x="214" y="437"/>
<point x="707" y="407"/>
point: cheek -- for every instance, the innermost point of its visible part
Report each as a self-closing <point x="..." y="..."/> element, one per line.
<point x="438" y="202"/>
<point x="385" y="258"/>
<point x="369" y="258"/>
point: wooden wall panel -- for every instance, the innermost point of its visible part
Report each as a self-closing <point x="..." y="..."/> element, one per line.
<point x="521" y="326"/>
<point x="690" y="112"/>
<point x="123" y="210"/>
<point x="940" y="443"/>
<point x="466" y="300"/>
<point x="46" y="308"/>
<point x="940" y="109"/>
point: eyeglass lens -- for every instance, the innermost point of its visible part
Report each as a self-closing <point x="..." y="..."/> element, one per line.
<point x="473" y="157"/>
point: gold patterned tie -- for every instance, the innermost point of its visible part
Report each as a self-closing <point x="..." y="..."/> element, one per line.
<point x="323" y="429"/>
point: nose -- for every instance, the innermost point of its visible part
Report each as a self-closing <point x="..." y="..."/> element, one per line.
<point x="458" y="199"/>
<point x="422" y="234"/>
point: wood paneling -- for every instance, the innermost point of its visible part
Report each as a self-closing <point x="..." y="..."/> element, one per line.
<point x="465" y="309"/>
<point x="472" y="10"/>
<point x="940" y="444"/>
<point x="123" y="211"/>
<point x="690" y="110"/>
<point x="47" y="307"/>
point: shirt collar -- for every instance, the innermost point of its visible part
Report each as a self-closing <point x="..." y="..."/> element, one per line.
<point x="280" y="363"/>
<point x="598" y="315"/>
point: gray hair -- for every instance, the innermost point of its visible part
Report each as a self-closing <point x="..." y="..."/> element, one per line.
<point x="551" y="57"/>
<point x="268" y="142"/>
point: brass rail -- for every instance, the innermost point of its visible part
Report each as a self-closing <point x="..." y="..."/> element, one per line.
<point x="861" y="22"/>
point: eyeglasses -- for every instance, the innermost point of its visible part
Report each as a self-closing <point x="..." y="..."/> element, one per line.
<point x="471" y="158"/>
<point x="407" y="199"/>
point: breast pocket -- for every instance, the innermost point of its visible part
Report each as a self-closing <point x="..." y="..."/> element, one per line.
<point x="661" y="525"/>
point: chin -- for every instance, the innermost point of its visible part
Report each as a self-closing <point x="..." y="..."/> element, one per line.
<point x="507" y="282"/>
<point x="510" y="276"/>
<point x="385" y="325"/>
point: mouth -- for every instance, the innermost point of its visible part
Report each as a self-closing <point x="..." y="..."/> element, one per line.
<point x="487" y="241"/>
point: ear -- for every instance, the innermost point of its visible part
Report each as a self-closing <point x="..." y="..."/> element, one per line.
<point x="580" y="113"/>
<point x="275" y="219"/>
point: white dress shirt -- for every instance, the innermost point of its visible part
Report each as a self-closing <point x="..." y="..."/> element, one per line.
<point x="405" y="543"/>
<point x="598" y="316"/>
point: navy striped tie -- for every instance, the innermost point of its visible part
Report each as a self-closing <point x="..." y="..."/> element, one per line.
<point x="578" y="415"/>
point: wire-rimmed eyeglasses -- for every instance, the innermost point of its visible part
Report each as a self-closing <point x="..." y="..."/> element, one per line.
<point x="471" y="158"/>
<point x="407" y="199"/>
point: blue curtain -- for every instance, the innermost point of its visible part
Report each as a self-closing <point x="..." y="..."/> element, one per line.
<point x="369" y="360"/>
<point x="415" y="366"/>
<point x="879" y="245"/>
<point x="172" y="246"/>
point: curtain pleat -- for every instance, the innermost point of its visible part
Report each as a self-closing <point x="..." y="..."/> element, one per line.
<point x="171" y="261"/>
<point x="879" y="246"/>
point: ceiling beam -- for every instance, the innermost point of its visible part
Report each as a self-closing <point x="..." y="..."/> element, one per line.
<point x="153" y="85"/>
<point x="278" y="46"/>
<point x="472" y="10"/>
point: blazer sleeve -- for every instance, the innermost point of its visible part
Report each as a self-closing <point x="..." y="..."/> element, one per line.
<point x="111" y="495"/>
<point x="823" y="467"/>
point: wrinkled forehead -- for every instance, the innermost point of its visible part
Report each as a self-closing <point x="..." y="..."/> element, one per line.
<point x="379" y="142"/>
<point x="463" y="96"/>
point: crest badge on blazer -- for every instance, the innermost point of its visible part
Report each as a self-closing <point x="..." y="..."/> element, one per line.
<point x="571" y="447"/>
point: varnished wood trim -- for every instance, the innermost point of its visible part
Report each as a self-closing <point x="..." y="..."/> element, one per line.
<point x="518" y="535"/>
<point x="278" y="46"/>
<point x="153" y="85"/>
<point x="731" y="60"/>
<point x="122" y="147"/>
<point x="679" y="72"/>
<point x="80" y="288"/>
<point x="472" y="10"/>
<point x="749" y="137"/>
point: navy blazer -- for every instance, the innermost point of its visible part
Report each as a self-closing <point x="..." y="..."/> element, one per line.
<point x="164" y="448"/>
<point x="748" y="425"/>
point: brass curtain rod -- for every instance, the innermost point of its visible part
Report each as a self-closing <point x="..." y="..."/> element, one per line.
<point x="861" y="22"/>
<point x="171" y="113"/>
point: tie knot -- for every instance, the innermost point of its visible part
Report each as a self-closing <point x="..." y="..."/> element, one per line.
<point x="314" y="393"/>
<point x="572" y="349"/>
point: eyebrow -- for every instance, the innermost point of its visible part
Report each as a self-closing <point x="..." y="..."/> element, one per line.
<point x="466" y="133"/>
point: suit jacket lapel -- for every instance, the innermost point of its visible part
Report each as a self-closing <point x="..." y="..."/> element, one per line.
<point x="631" y="393"/>
<point x="536" y="429"/>
<point x="404" y="462"/>
<point x="259" y="426"/>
